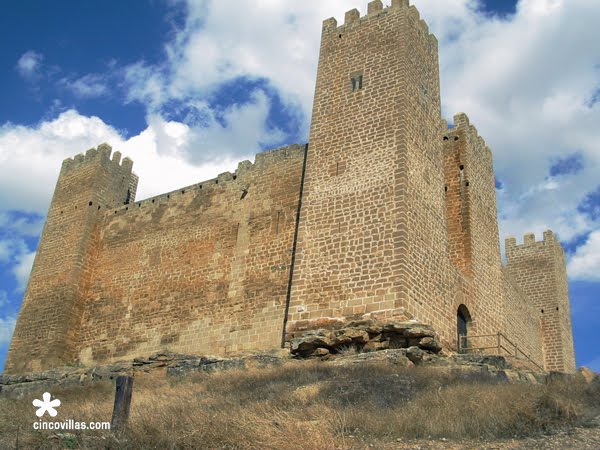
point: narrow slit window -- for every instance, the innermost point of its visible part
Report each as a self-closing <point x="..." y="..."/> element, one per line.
<point x="356" y="82"/>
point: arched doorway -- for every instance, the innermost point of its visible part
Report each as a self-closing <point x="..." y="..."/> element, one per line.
<point x="463" y="318"/>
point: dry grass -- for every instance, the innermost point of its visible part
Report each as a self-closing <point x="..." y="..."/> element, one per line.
<point x="307" y="406"/>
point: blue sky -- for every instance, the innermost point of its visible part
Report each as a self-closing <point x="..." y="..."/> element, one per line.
<point x="189" y="88"/>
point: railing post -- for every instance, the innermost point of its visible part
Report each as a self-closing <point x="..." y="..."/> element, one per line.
<point x="499" y="343"/>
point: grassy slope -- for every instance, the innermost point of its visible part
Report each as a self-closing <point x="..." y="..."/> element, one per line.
<point x="307" y="405"/>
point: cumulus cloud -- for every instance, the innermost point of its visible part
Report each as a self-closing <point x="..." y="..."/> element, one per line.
<point x="7" y="326"/>
<point x="30" y="157"/>
<point x="29" y="64"/>
<point x="167" y="154"/>
<point x="525" y="83"/>
<point x="585" y="263"/>
<point x="10" y="249"/>
<point x="206" y="53"/>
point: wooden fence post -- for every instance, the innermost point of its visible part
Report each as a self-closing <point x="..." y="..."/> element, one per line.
<point x="124" y="389"/>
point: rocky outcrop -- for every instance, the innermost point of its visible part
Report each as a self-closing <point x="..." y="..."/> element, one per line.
<point x="365" y="336"/>
<point x="172" y="364"/>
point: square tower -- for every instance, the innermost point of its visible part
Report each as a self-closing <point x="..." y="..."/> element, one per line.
<point x="372" y="231"/>
<point x="47" y="330"/>
<point x="539" y="268"/>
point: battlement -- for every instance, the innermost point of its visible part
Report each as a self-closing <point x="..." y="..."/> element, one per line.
<point x="529" y="240"/>
<point x="96" y="155"/>
<point x="261" y="161"/>
<point x="374" y="8"/>
<point x="462" y="124"/>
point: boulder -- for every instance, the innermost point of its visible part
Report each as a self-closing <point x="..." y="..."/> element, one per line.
<point x="415" y="354"/>
<point x="429" y="343"/>
<point x="409" y="329"/>
<point x="309" y="342"/>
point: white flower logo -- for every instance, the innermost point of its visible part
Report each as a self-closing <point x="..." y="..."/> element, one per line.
<point x="46" y="405"/>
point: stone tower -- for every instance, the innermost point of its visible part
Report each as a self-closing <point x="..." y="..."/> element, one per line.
<point x="540" y="270"/>
<point x="474" y="245"/>
<point x="372" y="233"/>
<point x="48" y="324"/>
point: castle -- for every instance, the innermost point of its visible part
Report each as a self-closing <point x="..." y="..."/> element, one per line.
<point x="386" y="211"/>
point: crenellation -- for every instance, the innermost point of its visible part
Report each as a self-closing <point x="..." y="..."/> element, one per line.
<point x="330" y="24"/>
<point x="104" y="150"/>
<point x="351" y="16"/>
<point x="422" y="25"/>
<point x="549" y="236"/>
<point x="400" y="4"/>
<point x="433" y="42"/>
<point x="374" y="7"/>
<point x="413" y="13"/>
<point x="91" y="154"/>
<point x="389" y="212"/>
<point x="461" y="120"/>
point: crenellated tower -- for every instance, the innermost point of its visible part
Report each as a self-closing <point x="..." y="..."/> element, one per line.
<point x="49" y="321"/>
<point x="372" y="233"/>
<point x="539" y="268"/>
<point x="474" y="245"/>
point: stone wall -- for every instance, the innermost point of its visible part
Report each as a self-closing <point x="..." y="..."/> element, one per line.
<point x="204" y="269"/>
<point x="522" y="324"/>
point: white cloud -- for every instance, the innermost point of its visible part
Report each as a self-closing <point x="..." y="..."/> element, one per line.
<point x="87" y="86"/>
<point x="224" y="40"/>
<point x="525" y="83"/>
<point x="585" y="263"/>
<point x="21" y="225"/>
<point x="22" y="269"/>
<point x="167" y="155"/>
<point x="30" y="157"/>
<point x="7" y="326"/>
<point x="29" y="63"/>
<point x="10" y="249"/>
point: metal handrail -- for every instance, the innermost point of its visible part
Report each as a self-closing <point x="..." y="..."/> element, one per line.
<point x="498" y="346"/>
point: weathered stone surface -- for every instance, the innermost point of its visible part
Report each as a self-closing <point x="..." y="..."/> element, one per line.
<point x="366" y="335"/>
<point x="409" y="329"/>
<point x="429" y="343"/>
